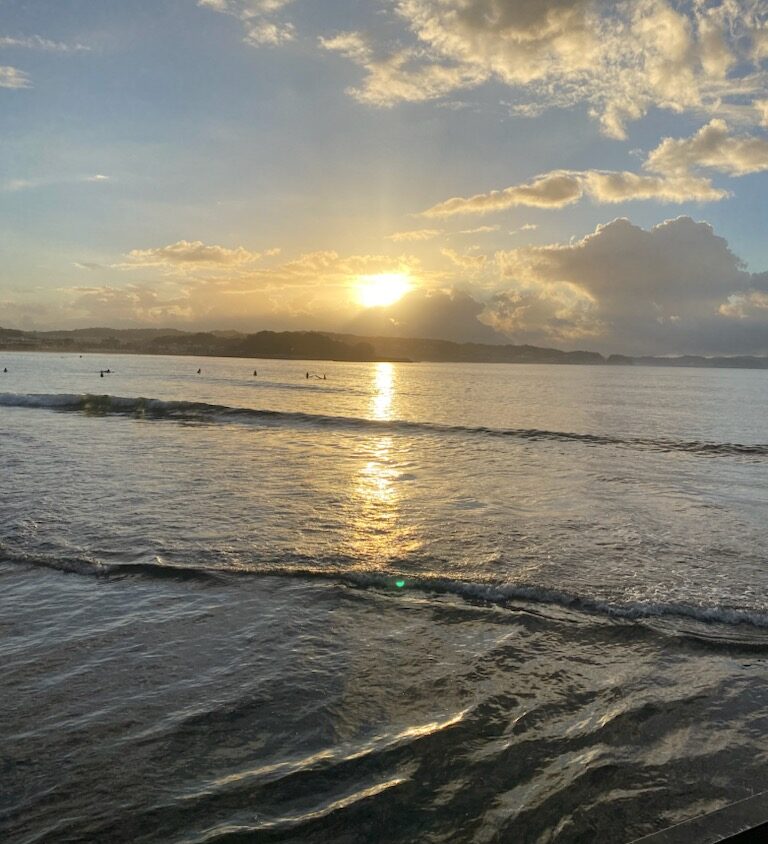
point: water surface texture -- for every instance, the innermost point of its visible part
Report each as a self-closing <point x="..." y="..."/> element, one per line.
<point x="404" y="603"/>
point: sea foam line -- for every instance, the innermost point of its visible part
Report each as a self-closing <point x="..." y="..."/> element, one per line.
<point x="500" y="594"/>
<point x="149" y="408"/>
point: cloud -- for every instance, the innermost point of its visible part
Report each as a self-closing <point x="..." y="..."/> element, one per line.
<point x="88" y="265"/>
<point x="481" y="230"/>
<point x="671" y="176"/>
<point x="133" y="304"/>
<point x="469" y="263"/>
<point x="401" y="76"/>
<point x="672" y="289"/>
<point x="258" y="18"/>
<point x="610" y="187"/>
<point x="746" y="305"/>
<point x="620" y="59"/>
<point x="12" y="77"/>
<point x="551" y="190"/>
<point x="187" y="254"/>
<point x="37" y="42"/>
<point x="200" y="286"/>
<point x="559" y="188"/>
<point x="14" y="185"/>
<point x="552" y="316"/>
<point x="712" y="147"/>
<point x="432" y="314"/>
<point x="416" y="234"/>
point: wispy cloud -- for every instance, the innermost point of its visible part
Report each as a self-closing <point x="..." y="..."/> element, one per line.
<point x="402" y="76"/>
<point x="187" y="255"/>
<point x="259" y="19"/>
<point x="414" y="235"/>
<point x="14" y="185"/>
<point x="37" y="42"/>
<point x="481" y="230"/>
<point x="12" y="77"/>
<point x="468" y="263"/>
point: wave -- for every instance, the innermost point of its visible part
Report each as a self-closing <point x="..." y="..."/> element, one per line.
<point x="340" y="571"/>
<point x="203" y="412"/>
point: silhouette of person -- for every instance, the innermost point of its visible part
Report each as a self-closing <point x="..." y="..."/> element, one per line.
<point x="255" y="373"/>
<point x="323" y="376"/>
<point x="307" y="376"/>
<point x="5" y="369"/>
<point x="199" y="371"/>
<point x="101" y="374"/>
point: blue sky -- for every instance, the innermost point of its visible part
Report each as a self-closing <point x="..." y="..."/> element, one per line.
<point x="565" y="172"/>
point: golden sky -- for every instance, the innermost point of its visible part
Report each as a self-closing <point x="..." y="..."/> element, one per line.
<point x="572" y="173"/>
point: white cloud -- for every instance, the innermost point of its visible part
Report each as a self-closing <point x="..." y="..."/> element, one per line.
<point x="712" y="147"/>
<point x="618" y="58"/>
<point x="561" y="187"/>
<point x="14" y="185"/>
<point x="258" y="18"/>
<point x="481" y="230"/>
<point x="12" y="77"/>
<point x="671" y="176"/>
<point x="186" y="254"/>
<point x="746" y="305"/>
<point x="468" y="263"/>
<point x="414" y="235"/>
<point x="551" y="190"/>
<point x="400" y="76"/>
<point x="37" y="42"/>
<point x="610" y="187"/>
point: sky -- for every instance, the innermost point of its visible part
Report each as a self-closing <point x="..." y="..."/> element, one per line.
<point x="566" y="173"/>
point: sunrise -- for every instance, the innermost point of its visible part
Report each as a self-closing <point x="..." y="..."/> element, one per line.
<point x="383" y="400"/>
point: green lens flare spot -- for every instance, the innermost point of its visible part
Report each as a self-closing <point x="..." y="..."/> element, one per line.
<point x="399" y="584"/>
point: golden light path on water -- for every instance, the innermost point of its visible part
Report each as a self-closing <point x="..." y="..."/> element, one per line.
<point x="376" y="534"/>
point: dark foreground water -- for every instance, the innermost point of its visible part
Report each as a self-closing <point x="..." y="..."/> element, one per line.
<point x="409" y="603"/>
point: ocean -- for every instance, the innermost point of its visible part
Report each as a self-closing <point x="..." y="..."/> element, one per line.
<point x="398" y="603"/>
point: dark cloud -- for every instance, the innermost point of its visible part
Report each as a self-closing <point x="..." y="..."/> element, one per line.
<point x="673" y="289"/>
<point x="436" y="314"/>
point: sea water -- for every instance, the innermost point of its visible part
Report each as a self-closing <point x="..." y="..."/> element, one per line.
<point x="343" y="602"/>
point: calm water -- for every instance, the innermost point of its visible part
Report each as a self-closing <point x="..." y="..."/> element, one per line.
<point x="406" y="603"/>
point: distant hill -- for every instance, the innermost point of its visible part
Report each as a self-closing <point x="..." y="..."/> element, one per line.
<point x="323" y="345"/>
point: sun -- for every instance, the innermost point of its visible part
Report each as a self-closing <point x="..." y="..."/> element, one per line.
<point x="378" y="291"/>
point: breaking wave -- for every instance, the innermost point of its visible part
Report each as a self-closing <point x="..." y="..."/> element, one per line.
<point x="341" y="570"/>
<point x="202" y="412"/>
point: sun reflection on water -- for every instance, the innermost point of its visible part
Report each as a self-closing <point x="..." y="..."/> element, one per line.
<point x="384" y="389"/>
<point x="376" y="534"/>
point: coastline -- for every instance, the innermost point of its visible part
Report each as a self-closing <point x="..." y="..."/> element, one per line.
<point x="327" y="346"/>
